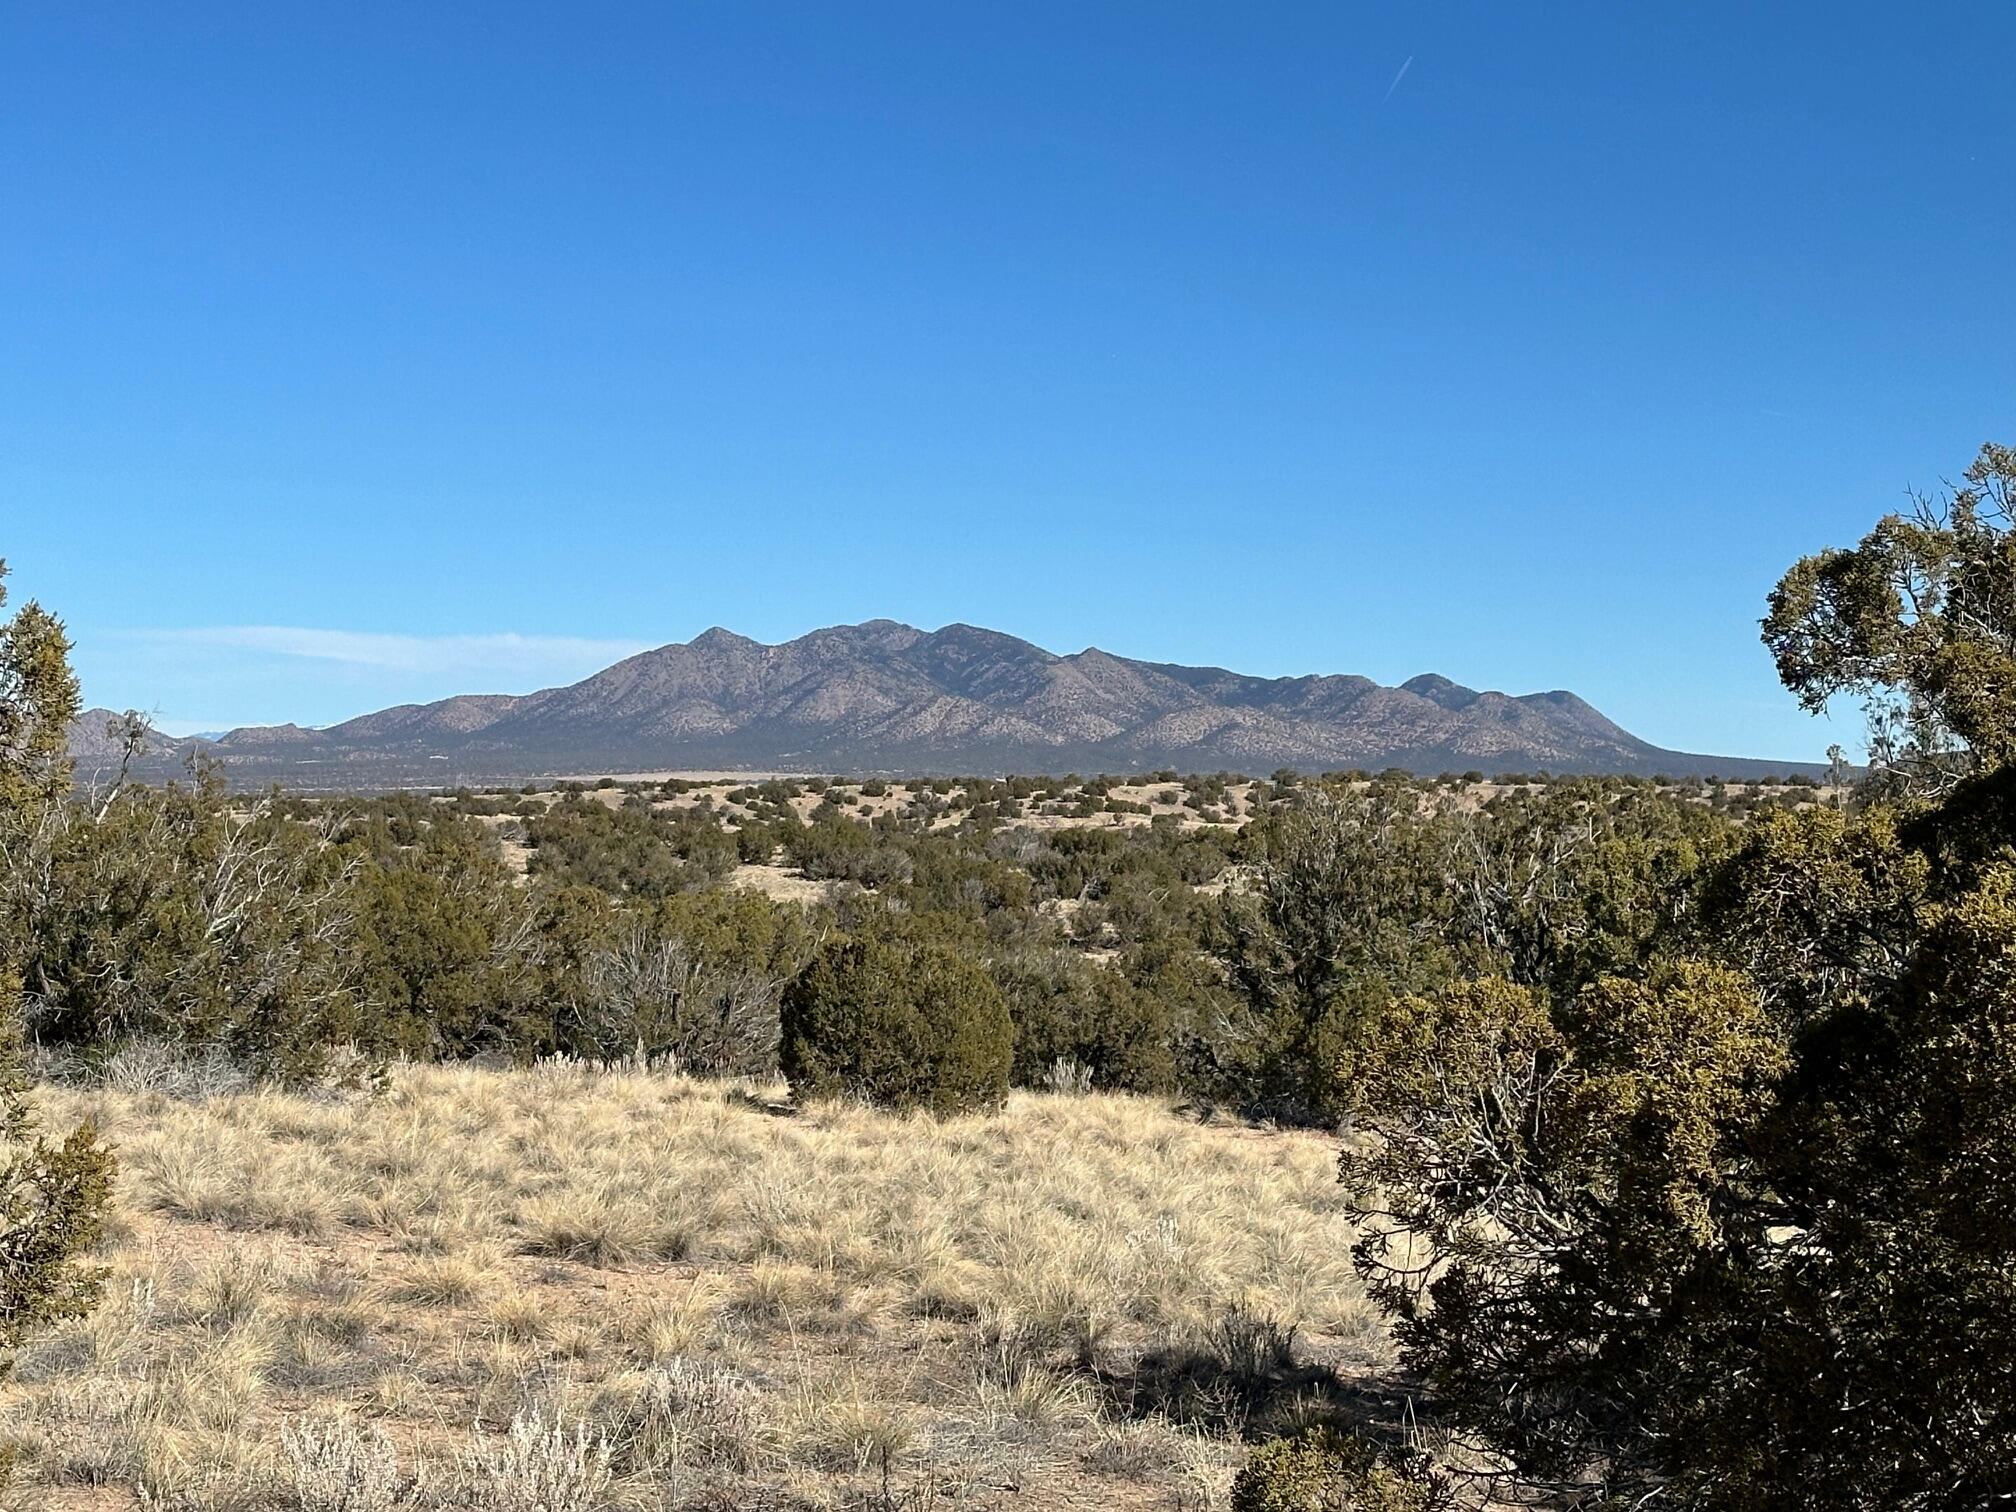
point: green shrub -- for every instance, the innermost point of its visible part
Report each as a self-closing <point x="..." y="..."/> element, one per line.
<point x="173" y="913"/>
<point x="1327" y="1471"/>
<point x="1066" y="1009"/>
<point x="899" y="1017"/>
<point x="441" y="943"/>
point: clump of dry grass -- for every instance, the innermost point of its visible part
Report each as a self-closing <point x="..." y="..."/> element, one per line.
<point x="712" y="1298"/>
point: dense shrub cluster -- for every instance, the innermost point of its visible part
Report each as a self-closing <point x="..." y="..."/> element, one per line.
<point x="898" y="1014"/>
<point x="635" y="850"/>
<point x="1365" y="891"/>
<point x="1109" y="1021"/>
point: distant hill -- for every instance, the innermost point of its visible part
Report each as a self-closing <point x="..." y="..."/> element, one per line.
<point x="883" y="697"/>
<point x="97" y="743"/>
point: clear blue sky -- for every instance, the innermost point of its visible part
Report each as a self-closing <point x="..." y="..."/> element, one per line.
<point x="356" y="354"/>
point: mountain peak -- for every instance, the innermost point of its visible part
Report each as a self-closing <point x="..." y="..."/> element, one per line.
<point x="715" y="638"/>
<point x="878" y="634"/>
<point x="1440" y="691"/>
<point x="978" y="637"/>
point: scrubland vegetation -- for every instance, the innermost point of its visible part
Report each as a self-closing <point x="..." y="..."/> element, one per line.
<point x="1673" y="1123"/>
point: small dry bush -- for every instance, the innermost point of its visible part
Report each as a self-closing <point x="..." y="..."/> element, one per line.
<point x="540" y="1465"/>
<point x="335" y="1466"/>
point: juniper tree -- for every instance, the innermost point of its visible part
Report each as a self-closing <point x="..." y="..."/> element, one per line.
<point x="52" y="1194"/>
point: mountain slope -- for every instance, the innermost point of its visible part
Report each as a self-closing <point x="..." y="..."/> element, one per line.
<point x="97" y="744"/>
<point x="887" y="697"/>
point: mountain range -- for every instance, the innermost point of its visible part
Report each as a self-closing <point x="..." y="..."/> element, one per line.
<point x="887" y="698"/>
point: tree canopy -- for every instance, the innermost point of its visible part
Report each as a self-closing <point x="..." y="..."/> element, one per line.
<point x="1723" y="1215"/>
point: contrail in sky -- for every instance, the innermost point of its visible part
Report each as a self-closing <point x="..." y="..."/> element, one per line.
<point x="1397" y="78"/>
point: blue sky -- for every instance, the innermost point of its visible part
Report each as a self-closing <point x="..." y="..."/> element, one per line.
<point x="354" y="355"/>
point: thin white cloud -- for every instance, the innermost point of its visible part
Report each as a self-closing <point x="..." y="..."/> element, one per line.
<point x="1396" y="79"/>
<point x="501" y="654"/>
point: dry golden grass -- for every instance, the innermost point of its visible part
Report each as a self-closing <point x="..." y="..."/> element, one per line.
<point x="680" y="1297"/>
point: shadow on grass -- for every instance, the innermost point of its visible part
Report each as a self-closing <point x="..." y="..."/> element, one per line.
<point x="1243" y="1378"/>
<point x="742" y="1097"/>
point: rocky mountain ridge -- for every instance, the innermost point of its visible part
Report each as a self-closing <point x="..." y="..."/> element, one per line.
<point x="884" y="697"/>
